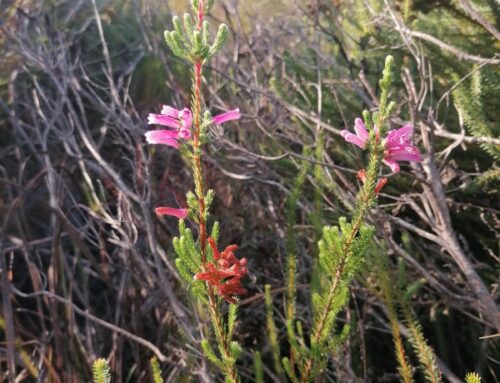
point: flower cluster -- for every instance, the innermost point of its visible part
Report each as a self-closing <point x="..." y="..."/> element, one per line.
<point x="180" y="122"/>
<point x="397" y="145"/>
<point x="225" y="275"/>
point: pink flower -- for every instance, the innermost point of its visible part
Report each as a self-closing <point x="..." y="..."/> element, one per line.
<point x="225" y="275"/>
<point x="228" y="116"/>
<point x="397" y="144"/>
<point x="160" y="119"/>
<point x="182" y="120"/>
<point x="186" y="118"/>
<point x="360" y="138"/>
<point x="179" y="213"/>
<point x="163" y="137"/>
<point x="169" y="111"/>
<point x="399" y="148"/>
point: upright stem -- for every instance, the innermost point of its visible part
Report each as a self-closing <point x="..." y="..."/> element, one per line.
<point x="197" y="166"/>
<point x="404" y="369"/>
<point x="364" y="200"/>
<point x="222" y="337"/>
<point x="215" y="312"/>
<point x="200" y="13"/>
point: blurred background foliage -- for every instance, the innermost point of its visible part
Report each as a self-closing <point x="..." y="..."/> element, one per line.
<point x="78" y="183"/>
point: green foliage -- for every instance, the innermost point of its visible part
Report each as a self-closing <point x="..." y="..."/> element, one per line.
<point x="272" y="332"/>
<point x="424" y="352"/>
<point x="215" y="231"/>
<point x="101" y="371"/>
<point x="422" y="349"/>
<point x="258" y="367"/>
<point x="316" y="215"/>
<point x="175" y="43"/>
<point x="331" y="304"/>
<point x="220" y="40"/>
<point x="235" y="350"/>
<point x="471" y="101"/>
<point x="342" y="252"/>
<point x="209" y="199"/>
<point x="388" y="293"/>
<point x="396" y="298"/>
<point x="472" y="377"/>
<point x="192" y="203"/>
<point x="192" y="44"/>
<point x="290" y="371"/>
<point x="385" y="85"/>
<point x="474" y="87"/>
<point x="208" y="4"/>
<point x="229" y="351"/>
<point x="334" y="244"/>
<point x="231" y="319"/>
<point x="210" y="354"/>
<point x="188" y="26"/>
<point x="155" y="367"/>
<point x="489" y="176"/>
<point x="188" y="260"/>
<point x="291" y="251"/>
<point x="337" y="340"/>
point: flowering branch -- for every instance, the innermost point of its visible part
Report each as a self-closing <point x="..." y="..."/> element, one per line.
<point x="214" y="276"/>
<point x="341" y="252"/>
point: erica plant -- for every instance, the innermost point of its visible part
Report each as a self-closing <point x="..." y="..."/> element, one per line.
<point x="214" y="276"/>
<point x="343" y="249"/>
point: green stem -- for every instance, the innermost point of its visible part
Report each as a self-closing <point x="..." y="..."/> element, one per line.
<point x="364" y="198"/>
<point x="405" y="369"/>
<point x="222" y="338"/>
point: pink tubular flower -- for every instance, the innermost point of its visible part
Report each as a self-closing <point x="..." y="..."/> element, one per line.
<point x="163" y="137"/>
<point x="181" y="120"/>
<point x="228" y="116"/>
<point x="169" y="111"/>
<point x="160" y="119"/>
<point x="399" y="148"/>
<point x="225" y="275"/>
<point x="179" y="213"/>
<point x="173" y="118"/>
<point x="397" y="144"/>
<point x="360" y="138"/>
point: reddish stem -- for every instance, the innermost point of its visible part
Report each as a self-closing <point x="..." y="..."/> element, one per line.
<point x="200" y="191"/>
<point x="197" y="160"/>
<point x="200" y="14"/>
